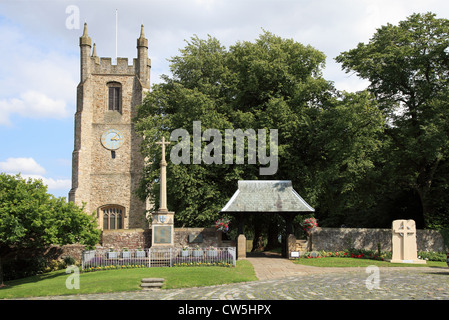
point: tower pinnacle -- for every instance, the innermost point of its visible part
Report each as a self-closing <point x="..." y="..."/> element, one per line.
<point x="142" y="33"/>
<point x="142" y="41"/>
<point x="94" y="51"/>
<point x="85" y="39"/>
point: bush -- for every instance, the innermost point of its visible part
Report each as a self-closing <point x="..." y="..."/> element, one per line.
<point x="432" y="256"/>
<point x="53" y="265"/>
<point x="21" y="268"/>
<point x="69" y="260"/>
<point x="348" y="253"/>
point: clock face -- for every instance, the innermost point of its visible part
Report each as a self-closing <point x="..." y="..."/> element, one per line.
<point x="112" y="139"/>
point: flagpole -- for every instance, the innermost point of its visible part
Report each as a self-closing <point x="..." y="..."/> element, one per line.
<point x="116" y="33"/>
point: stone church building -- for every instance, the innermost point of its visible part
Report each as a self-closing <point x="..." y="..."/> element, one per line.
<point x="106" y="162"/>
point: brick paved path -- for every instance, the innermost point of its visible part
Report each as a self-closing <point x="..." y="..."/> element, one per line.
<point x="280" y="279"/>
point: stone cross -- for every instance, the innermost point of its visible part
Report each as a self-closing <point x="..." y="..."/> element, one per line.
<point x="163" y="143"/>
<point x="404" y="249"/>
<point x="163" y="191"/>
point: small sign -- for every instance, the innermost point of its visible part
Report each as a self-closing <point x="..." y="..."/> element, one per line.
<point x="162" y="234"/>
<point x="195" y="238"/>
<point x="294" y="254"/>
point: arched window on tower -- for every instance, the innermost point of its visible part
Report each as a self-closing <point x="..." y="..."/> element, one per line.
<point x="112" y="217"/>
<point x="115" y="96"/>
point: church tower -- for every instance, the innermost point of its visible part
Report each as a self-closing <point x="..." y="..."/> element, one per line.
<point x="107" y="164"/>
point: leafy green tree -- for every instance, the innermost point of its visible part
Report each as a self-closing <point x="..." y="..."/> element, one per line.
<point x="347" y="136"/>
<point x="408" y="68"/>
<point x="32" y="218"/>
<point x="271" y="83"/>
<point x="261" y="85"/>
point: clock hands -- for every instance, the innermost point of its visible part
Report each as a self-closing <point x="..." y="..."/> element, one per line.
<point x="116" y="137"/>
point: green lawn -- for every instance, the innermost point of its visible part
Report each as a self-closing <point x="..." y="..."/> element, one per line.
<point x="355" y="262"/>
<point x="53" y="283"/>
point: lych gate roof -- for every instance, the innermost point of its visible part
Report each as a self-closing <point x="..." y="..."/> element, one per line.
<point x="266" y="196"/>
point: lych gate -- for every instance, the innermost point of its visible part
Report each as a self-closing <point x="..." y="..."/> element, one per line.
<point x="266" y="196"/>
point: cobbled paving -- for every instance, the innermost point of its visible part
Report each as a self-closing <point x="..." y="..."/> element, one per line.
<point x="413" y="284"/>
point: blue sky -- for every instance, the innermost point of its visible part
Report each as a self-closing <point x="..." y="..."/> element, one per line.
<point x="40" y="55"/>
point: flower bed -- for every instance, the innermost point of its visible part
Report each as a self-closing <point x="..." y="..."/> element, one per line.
<point x="369" y="254"/>
<point x="203" y="264"/>
<point x="113" y="267"/>
<point x="349" y="253"/>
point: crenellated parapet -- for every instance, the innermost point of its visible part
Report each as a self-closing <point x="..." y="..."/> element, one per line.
<point x="104" y="66"/>
<point x="92" y="64"/>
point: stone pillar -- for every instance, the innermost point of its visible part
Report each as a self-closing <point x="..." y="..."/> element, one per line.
<point x="291" y="245"/>
<point x="289" y="239"/>
<point x="163" y="178"/>
<point x="241" y="246"/>
<point x="163" y="220"/>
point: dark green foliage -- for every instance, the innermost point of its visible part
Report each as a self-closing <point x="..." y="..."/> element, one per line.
<point x="360" y="159"/>
<point x="407" y="66"/>
<point x="272" y="83"/>
<point x="30" y="218"/>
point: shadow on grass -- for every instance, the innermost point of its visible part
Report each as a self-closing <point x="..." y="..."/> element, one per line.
<point x="33" y="279"/>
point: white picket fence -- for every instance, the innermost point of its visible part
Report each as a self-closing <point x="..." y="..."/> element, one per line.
<point x="160" y="257"/>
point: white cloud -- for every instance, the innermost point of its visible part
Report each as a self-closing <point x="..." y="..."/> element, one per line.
<point x="21" y="165"/>
<point x="29" y="168"/>
<point x="35" y="81"/>
<point x="54" y="184"/>
<point x="32" y="104"/>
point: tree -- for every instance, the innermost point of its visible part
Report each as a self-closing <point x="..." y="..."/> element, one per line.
<point x="263" y="85"/>
<point x="408" y="68"/>
<point x="32" y="218"/>
<point x="346" y="138"/>
<point x="271" y="83"/>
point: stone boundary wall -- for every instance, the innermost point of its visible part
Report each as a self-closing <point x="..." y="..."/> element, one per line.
<point x="207" y="236"/>
<point x="131" y="239"/>
<point x="334" y="239"/>
<point x="126" y="238"/>
<point x="141" y="238"/>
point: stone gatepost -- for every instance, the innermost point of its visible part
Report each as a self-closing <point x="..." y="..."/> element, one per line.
<point x="291" y="245"/>
<point x="241" y="246"/>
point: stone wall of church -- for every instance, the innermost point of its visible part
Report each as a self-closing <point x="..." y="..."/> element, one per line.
<point x="141" y="238"/>
<point x="126" y="238"/>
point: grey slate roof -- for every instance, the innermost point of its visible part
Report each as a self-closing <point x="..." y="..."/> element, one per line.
<point x="266" y="196"/>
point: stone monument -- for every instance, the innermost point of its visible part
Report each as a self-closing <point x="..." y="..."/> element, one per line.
<point x="162" y="235"/>
<point x="404" y="249"/>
